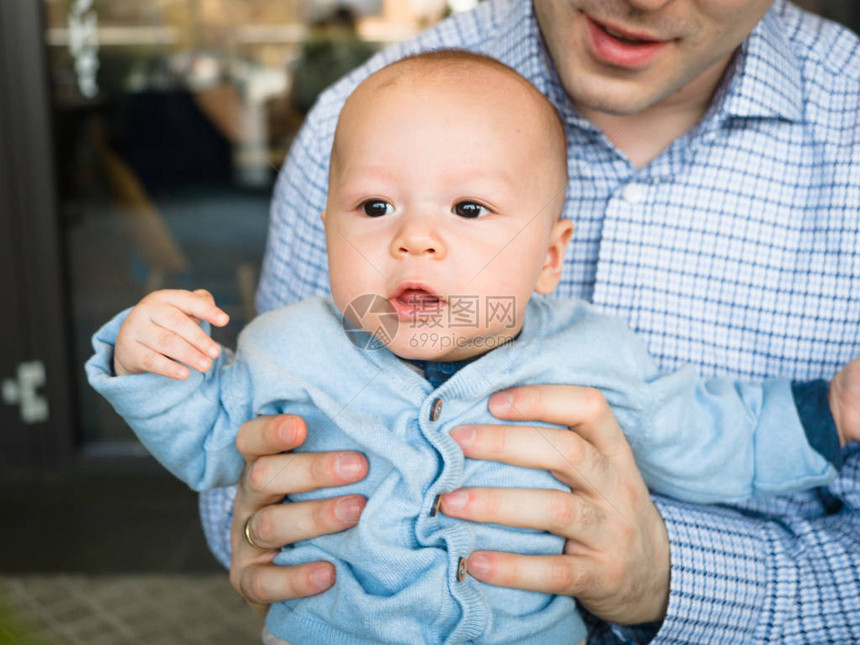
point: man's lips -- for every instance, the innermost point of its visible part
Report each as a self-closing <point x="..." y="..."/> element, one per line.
<point x="622" y="47"/>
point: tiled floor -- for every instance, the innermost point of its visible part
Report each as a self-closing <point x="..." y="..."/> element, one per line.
<point x="112" y="558"/>
<point x="114" y="610"/>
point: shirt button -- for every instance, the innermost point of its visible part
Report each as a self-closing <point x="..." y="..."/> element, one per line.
<point x="462" y="569"/>
<point x="633" y="193"/>
<point x="436" y="410"/>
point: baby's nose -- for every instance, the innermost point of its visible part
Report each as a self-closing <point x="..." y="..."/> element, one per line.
<point x="417" y="238"/>
<point x="417" y="247"/>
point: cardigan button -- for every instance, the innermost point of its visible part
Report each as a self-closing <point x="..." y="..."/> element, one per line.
<point x="436" y="410"/>
<point x="462" y="569"/>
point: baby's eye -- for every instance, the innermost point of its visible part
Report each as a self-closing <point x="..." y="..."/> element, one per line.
<point x="377" y="208"/>
<point x="470" y="209"/>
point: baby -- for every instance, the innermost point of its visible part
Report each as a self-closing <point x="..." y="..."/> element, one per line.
<point x="446" y="186"/>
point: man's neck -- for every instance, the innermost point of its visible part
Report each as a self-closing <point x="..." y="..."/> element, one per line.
<point x="644" y="135"/>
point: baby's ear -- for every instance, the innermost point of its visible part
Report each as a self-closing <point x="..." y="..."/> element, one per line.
<point x="550" y="273"/>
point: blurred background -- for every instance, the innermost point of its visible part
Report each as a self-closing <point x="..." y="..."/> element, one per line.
<point x="139" y="144"/>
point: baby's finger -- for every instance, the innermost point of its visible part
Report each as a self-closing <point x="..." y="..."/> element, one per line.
<point x="156" y="363"/>
<point x="175" y="320"/>
<point x="204" y="294"/>
<point x="171" y="345"/>
<point x="198" y="305"/>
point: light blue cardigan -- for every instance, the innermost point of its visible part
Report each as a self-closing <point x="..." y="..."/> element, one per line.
<point x="397" y="570"/>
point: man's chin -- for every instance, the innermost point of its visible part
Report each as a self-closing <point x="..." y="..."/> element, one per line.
<point x="614" y="97"/>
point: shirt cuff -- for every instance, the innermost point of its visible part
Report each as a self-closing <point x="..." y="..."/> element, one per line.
<point x="813" y="408"/>
<point x="718" y="583"/>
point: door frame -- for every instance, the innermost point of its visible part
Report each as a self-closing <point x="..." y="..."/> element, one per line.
<point x="35" y="327"/>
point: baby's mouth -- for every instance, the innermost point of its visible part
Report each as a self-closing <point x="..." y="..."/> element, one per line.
<point x="419" y="298"/>
<point x="413" y="302"/>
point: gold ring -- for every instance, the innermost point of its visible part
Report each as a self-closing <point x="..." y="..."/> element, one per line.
<point x="248" y="537"/>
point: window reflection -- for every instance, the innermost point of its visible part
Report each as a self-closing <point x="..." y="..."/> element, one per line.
<point x="172" y="118"/>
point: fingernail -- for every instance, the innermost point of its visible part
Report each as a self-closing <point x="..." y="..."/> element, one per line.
<point x="500" y="403"/>
<point x="287" y="433"/>
<point x="214" y="350"/>
<point x="455" y="501"/>
<point x="348" y="510"/>
<point x="348" y="466"/>
<point x="222" y="318"/>
<point x="202" y="366"/>
<point x="463" y="435"/>
<point x="479" y="566"/>
<point x="322" y="578"/>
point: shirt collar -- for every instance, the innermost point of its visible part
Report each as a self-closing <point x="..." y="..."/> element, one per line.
<point x="765" y="79"/>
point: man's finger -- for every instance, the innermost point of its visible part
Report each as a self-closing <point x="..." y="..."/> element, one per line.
<point x="277" y="525"/>
<point x="264" y="584"/>
<point x="554" y="574"/>
<point x="270" y="435"/>
<point x="583" y="409"/>
<point x="571" y="459"/>
<point x="273" y="477"/>
<point x="570" y="516"/>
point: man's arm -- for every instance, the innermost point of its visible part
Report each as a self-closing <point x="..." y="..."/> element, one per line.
<point x="742" y="578"/>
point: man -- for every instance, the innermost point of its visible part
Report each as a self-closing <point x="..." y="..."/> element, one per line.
<point x="715" y="153"/>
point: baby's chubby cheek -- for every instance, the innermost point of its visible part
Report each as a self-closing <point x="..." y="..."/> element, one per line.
<point x="353" y="272"/>
<point x="346" y="279"/>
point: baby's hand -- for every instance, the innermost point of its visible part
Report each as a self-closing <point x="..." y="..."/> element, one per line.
<point x="845" y="401"/>
<point x="164" y="328"/>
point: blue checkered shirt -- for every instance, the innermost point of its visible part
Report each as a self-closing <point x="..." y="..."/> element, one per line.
<point x="736" y="250"/>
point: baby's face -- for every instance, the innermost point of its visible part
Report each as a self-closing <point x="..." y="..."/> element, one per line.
<point x="444" y="200"/>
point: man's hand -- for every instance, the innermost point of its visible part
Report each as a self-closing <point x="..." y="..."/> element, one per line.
<point x="269" y="476"/>
<point x="844" y="398"/>
<point x="163" y="330"/>
<point x="616" y="558"/>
